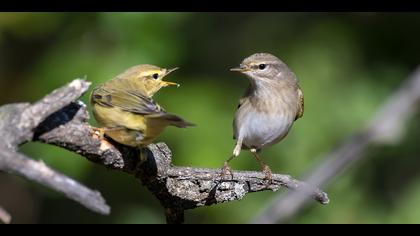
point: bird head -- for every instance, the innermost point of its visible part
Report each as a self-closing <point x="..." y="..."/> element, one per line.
<point x="262" y="66"/>
<point x="148" y="77"/>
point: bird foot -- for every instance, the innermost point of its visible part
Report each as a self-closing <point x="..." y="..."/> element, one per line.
<point x="226" y="170"/>
<point x="268" y="175"/>
<point x="98" y="132"/>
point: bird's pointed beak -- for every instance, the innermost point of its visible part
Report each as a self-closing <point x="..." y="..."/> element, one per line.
<point x="167" y="83"/>
<point x="240" y="69"/>
<point x="171" y="70"/>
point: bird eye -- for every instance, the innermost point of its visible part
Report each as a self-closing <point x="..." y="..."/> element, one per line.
<point x="262" y="66"/>
<point x="155" y="76"/>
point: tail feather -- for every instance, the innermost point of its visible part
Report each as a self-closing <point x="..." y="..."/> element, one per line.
<point x="177" y="121"/>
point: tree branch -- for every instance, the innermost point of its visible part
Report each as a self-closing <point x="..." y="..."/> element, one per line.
<point x="18" y="164"/>
<point x="64" y="123"/>
<point x="387" y="126"/>
<point x="19" y="123"/>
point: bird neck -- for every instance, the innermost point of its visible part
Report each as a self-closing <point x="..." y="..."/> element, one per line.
<point x="269" y="84"/>
<point x="265" y="88"/>
<point x="260" y="83"/>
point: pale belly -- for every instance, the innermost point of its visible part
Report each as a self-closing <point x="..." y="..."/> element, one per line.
<point x="260" y="130"/>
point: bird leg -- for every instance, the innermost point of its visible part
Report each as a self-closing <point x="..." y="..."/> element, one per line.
<point x="237" y="149"/>
<point x="143" y="154"/>
<point x="100" y="132"/>
<point x="226" y="169"/>
<point x="265" y="168"/>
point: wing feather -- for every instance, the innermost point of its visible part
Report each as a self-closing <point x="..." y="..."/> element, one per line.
<point x="301" y="104"/>
<point x="127" y="100"/>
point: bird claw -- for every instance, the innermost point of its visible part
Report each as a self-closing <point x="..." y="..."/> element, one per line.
<point x="268" y="175"/>
<point x="226" y="170"/>
<point x="98" y="132"/>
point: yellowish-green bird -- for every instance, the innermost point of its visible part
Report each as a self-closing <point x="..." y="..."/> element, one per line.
<point x="124" y="107"/>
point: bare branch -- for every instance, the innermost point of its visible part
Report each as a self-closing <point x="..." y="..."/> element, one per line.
<point x="243" y="182"/>
<point x="387" y="126"/>
<point x="53" y="102"/>
<point x="32" y="115"/>
<point x="18" y="124"/>
<point x="5" y="216"/>
<point x="19" y="164"/>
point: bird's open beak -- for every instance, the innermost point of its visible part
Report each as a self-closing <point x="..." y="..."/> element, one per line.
<point x="171" y="70"/>
<point x="240" y="69"/>
<point x="167" y="83"/>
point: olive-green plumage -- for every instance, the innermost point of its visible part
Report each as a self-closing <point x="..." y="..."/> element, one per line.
<point x="124" y="107"/>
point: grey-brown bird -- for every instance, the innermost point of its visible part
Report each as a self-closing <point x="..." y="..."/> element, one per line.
<point x="267" y="111"/>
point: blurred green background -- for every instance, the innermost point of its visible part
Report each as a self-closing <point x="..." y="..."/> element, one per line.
<point x="347" y="65"/>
